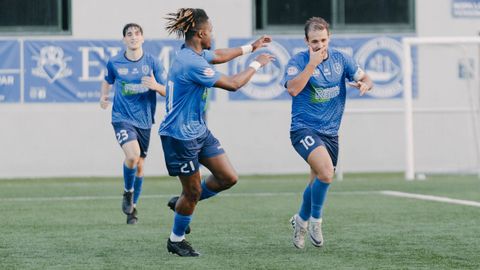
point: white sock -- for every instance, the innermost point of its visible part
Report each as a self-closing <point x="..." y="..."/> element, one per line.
<point x="301" y="222"/>
<point x="312" y="219"/>
<point x="176" y="238"/>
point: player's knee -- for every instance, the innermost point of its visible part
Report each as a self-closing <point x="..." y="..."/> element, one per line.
<point x="231" y="180"/>
<point x="192" y="195"/>
<point x="326" y="175"/>
<point x="132" y="161"/>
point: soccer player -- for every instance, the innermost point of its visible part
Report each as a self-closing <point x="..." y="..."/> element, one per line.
<point x="316" y="81"/>
<point x="186" y="140"/>
<point x="136" y="77"/>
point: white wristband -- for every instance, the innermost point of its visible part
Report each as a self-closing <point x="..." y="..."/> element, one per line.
<point x="255" y="65"/>
<point x="246" y="49"/>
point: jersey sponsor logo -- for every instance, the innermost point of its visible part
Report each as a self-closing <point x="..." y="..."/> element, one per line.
<point x="266" y="83"/>
<point x="122" y="71"/>
<point x="129" y="89"/>
<point x="326" y="71"/>
<point x="208" y="72"/>
<point x="135" y="71"/>
<point x="382" y="59"/>
<point x="51" y="64"/>
<point x="324" y="94"/>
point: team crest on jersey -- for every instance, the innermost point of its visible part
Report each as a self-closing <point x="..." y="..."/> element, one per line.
<point x="382" y="60"/>
<point x="122" y="71"/>
<point x="209" y="72"/>
<point x="145" y="69"/>
<point x="337" y="68"/>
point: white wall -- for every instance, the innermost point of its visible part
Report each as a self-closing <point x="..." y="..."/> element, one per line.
<point x="77" y="139"/>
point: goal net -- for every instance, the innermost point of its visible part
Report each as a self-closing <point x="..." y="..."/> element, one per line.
<point x="441" y="105"/>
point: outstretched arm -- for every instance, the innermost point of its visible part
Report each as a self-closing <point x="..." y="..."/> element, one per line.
<point x="364" y="83"/>
<point x="235" y="82"/>
<point x="225" y="55"/>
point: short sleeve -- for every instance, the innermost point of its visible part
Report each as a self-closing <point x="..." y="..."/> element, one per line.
<point x="208" y="55"/>
<point x="292" y="69"/>
<point x="351" y="67"/>
<point x="203" y="73"/>
<point x="110" y="73"/>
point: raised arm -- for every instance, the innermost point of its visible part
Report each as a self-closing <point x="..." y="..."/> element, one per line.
<point x="235" y="82"/>
<point x="296" y="85"/>
<point x="225" y="55"/>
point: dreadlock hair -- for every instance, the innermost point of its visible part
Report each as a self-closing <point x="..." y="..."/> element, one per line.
<point x="185" y="22"/>
<point x="134" y="25"/>
<point x="315" y="23"/>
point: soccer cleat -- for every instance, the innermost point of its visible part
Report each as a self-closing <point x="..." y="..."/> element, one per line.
<point x="315" y="232"/>
<point x="171" y="203"/>
<point x="182" y="248"/>
<point x="299" y="232"/>
<point x="127" y="202"/>
<point x="132" y="218"/>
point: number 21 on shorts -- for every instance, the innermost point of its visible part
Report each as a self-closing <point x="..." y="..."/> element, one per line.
<point x="187" y="167"/>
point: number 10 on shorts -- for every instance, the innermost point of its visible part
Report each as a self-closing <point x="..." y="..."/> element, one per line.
<point x="307" y="142"/>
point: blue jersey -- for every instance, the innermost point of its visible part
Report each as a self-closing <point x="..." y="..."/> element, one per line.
<point x="134" y="103"/>
<point x="189" y="77"/>
<point x="320" y="105"/>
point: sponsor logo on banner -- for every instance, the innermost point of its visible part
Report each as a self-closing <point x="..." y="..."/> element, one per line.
<point x="51" y="64"/>
<point x="382" y="60"/>
<point x="266" y="83"/>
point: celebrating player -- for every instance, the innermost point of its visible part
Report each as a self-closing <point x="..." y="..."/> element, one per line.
<point x="186" y="140"/>
<point x="316" y="81"/>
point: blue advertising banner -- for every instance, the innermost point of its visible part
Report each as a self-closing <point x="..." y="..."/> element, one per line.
<point x="379" y="56"/>
<point x="9" y="71"/>
<point x="72" y="71"/>
<point x="466" y="8"/>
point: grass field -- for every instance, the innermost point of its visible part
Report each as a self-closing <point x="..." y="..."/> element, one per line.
<point x="77" y="223"/>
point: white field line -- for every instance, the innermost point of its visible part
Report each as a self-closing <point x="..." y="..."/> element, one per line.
<point x="86" y="198"/>
<point x="259" y="194"/>
<point x="429" y="198"/>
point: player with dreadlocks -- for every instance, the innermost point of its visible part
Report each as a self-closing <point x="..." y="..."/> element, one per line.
<point x="186" y="140"/>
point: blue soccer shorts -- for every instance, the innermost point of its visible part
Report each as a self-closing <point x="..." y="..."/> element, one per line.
<point x="126" y="132"/>
<point x="182" y="157"/>
<point x="306" y="140"/>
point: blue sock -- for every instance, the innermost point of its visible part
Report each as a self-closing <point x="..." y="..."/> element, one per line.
<point x="306" y="208"/>
<point x="180" y="223"/>
<point x="206" y="193"/>
<point x="128" y="177"/>
<point x="319" y="194"/>
<point x="137" y="188"/>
